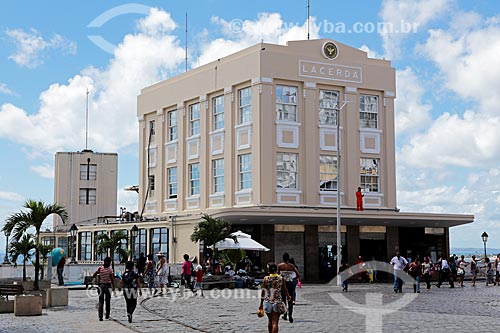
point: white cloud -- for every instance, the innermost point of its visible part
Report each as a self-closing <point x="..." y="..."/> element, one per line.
<point x="11" y="196"/>
<point x="371" y="53"/>
<point x="30" y="46"/>
<point x="416" y="13"/>
<point x="269" y="27"/>
<point x="129" y="200"/>
<point x="141" y="59"/>
<point x="411" y="112"/>
<point x="45" y="170"/>
<point x="5" y="90"/>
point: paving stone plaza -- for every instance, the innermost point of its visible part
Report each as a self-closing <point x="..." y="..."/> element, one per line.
<point x="468" y="309"/>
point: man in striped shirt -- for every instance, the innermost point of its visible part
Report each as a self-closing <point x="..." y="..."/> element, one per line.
<point x="106" y="281"/>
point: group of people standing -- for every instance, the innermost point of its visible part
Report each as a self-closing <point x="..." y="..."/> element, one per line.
<point x="155" y="275"/>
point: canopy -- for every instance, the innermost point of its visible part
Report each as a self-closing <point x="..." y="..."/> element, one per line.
<point x="244" y="242"/>
<point x="57" y="254"/>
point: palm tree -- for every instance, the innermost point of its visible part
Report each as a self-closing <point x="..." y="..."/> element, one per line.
<point x="23" y="248"/>
<point x="44" y="253"/>
<point x="19" y="223"/>
<point x="107" y="244"/>
<point x="211" y="230"/>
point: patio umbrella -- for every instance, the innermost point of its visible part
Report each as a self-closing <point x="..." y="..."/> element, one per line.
<point x="244" y="242"/>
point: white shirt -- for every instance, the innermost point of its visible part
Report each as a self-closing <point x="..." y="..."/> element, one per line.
<point x="444" y="264"/>
<point x="398" y="264"/>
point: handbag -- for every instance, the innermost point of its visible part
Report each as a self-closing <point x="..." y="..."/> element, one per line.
<point x="282" y="309"/>
<point x="460" y="271"/>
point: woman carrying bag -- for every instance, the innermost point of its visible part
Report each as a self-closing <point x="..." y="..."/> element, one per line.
<point x="271" y="301"/>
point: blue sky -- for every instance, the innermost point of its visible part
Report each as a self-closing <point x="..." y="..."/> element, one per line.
<point x="448" y="74"/>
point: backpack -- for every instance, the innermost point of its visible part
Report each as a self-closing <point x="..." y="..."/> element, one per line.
<point x="129" y="280"/>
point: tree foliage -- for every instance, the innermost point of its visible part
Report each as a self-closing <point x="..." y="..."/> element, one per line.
<point x="112" y="244"/>
<point x="23" y="247"/>
<point x="211" y="231"/>
<point x="33" y="217"/>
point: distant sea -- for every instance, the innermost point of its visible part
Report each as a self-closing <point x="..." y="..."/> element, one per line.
<point x="468" y="251"/>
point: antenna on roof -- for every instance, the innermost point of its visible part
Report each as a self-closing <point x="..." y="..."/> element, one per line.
<point x="308" y="17"/>
<point x="87" y="120"/>
<point x="186" y="41"/>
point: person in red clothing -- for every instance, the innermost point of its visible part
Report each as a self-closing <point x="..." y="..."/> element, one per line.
<point x="199" y="280"/>
<point x="359" y="199"/>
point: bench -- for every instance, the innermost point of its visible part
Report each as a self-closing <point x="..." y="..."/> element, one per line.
<point x="7" y="290"/>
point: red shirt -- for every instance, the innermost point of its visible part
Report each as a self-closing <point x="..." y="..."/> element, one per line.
<point x="186" y="267"/>
<point x="359" y="196"/>
<point x="199" y="276"/>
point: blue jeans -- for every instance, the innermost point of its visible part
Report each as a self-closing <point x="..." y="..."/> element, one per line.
<point x="398" y="283"/>
<point x="416" y="285"/>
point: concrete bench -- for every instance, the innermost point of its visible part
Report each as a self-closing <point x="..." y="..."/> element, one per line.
<point x="7" y="290"/>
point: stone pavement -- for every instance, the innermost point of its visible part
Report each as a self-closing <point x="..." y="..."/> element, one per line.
<point x="468" y="309"/>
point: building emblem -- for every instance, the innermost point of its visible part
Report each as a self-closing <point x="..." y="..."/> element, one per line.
<point x="330" y="50"/>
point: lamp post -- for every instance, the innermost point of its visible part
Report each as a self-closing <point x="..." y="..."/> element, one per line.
<point x="133" y="234"/>
<point x="73" y="232"/>
<point x="339" y="224"/>
<point x="484" y="236"/>
<point x="6" y="261"/>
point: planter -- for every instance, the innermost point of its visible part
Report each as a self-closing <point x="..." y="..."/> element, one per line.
<point x="6" y="306"/>
<point x="58" y="297"/>
<point x="28" y="305"/>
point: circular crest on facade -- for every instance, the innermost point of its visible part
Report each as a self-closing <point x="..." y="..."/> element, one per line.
<point x="330" y="50"/>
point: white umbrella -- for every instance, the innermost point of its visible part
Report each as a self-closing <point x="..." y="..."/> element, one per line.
<point x="245" y="242"/>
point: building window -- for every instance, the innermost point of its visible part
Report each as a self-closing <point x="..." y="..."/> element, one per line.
<point x="85" y="242"/>
<point x="194" y="179"/>
<point x="97" y="255"/>
<point x="151" y="185"/>
<point x="140" y="243"/>
<point x="62" y="242"/>
<point x="88" y="196"/>
<point x="172" y="125"/>
<point x="194" y="119"/>
<point x="328" y="173"/>
<point x="49" y="240"/>
<point x="218" y="167"/>
<point x="88" y="171"/>
<point x="159" y="241"/>
<point x="172" y="183"/>
<point x="245" y="169"/>
<point x="244" y="105"/>
<point x="286" y="168"/>
<point x="328" y="104"/>
<point x="286" y="103"/>
<point x="152" y="130"/>
<point x="370" y="176"/>
<point x="152" y="157"/>
<point x="218" y="111"/>
<point x="368" y="111"/>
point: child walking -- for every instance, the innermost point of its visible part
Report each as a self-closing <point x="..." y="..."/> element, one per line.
<point x="199" y="280"/>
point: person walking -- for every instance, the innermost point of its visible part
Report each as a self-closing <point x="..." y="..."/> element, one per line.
<point x="199" y="280"/>
<point x="141" y="264"/>
<point x="271" y="300"/>
<point x="161" y="272"/>
<point x="186" y="271"/>
<point x="445" y="273"/>
<point x="131" y="288"/>
<point x="60" y="270"/>
<point x="473" y="269"/>
<point x="415" y="272"/>
<point x="106" y="277"/>
<point x="359" y="199"/>
<point x="289" y="272"/>
<point x="399" y="263"/>
<point x="461" y="270"/>
<point x="150" y="274"/>
<point x="343" y="267"/>
<point x="490" y="274"/>
<point x="426" y="271"/>
<point x="496" y="264"/>
<point x="296" y="281"/>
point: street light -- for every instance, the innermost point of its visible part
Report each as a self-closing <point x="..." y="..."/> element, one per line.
<point x="73" y="231"/>
<point x="6" y="261"/>
<point x="133" y="234"/>
<point x="484" y="236"/>
<point x="339" y="238"/>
